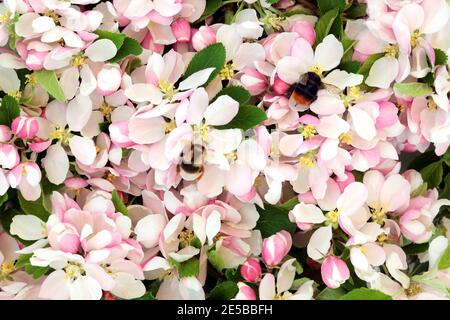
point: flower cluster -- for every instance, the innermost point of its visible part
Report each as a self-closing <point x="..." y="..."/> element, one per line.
<point x="243" y="149"/>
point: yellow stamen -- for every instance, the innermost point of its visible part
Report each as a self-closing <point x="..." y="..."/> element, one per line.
<point x="354" y="93"/>
<point x="7" y="268"/>
<point x="432" y="106"/>
<point x="401" y="107"/>
<point x="413" y="289"/>
<point x="346" y="138"/>
<point x="186" y="236"/>
<point x="317" y="70"/>
<point x="231" y="156"/>
<point x="202" y="131"/>
<point x="415" y="38"/>
<point x="284" y="296"/>
<point x="167" y="88"/>
<point x="73" y="270"/>
<point x="61" y="134"/>
<point x="227" y="72"/>
<point x="78" y="60"/>
<point x="170" y="126"/>
<point x="31" y="79"/>
<point x="272" y="20"/>
<point x="105" y="109"/>
<point x="378" y="215"/>
<point x="110" y="177"/>
<point x="4" y="18"/>
<point x="391" y="51"/>
<point x="307" y="160"/>
<point x="333" y="216"/>
<point x="15" y="94"/>
<point x="382" y="238"/>
<point x="309" y="131"/>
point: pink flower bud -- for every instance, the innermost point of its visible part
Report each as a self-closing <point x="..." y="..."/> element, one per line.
<point x="5" y="133"/>
<point x="64" y="237"/>
<point x="245" y="292"/>
<point x="279" y="86"/>
<point x="118" y="131"/>
<point x="149" y="44"/>
<point x="9" y="156"/>
<point x="203" y="37"/>
<point x="35" y="59"/>
<point x="276" y="247"/>
<point x="334" y="272"/>
<point x="25" y="127"/>
<point x="253" y="81"/>
<point x="305" y="30"/>
<point x="251" y="270"/>
<point x="182" y="30"/>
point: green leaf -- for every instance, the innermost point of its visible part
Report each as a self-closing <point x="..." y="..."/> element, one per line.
<point x="247" y="118"/>
<point x="347" y="44"/>
<point x="117" y="38"/>
<point x="48" y="187"/>
<point x="9" y="110"/>
<point x="297" y="283"/>
<point x="273" y="219"/>
<point x="290" y="204"/>
<point x="133" y="65"/>
<point x="445" y="192"/>
<point x="233" y="275"/>
<point x="211" y="7"/>
<point x="367" y="65"/>
<point x="118" y="203"/>
<point x="350" y="66"/>
<point x="324" y="24"/>
<point x="327" y="5"/>
<point x="224" y="291"/>
<point x="413" y="89"/>
<point x="415" y="248"/>
<point x="130" y="47"/>
<point x="213" y="56"/>
<point x="238" y="93"/>
<point x="188" y="268"/>
<point x="440" y="57"/>
<point x="365" y="294"/>
<point x="337" y="28"/>
<point x="23" y="260"/>
<point x="330" y="294"/>
<point x="356" y="11"/>
<point x="36" y="272"/>
<point x="444" y="262"/>
<point x="35" y="208"/>
<point x="215" y="260"/>
<point x="3" y="199"/>
<point x="49" y="81"/>
<point x="423" y="160"/>
<point x="432" y="174"/>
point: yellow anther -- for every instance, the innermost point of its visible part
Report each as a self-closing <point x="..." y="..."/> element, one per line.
<point x="61" y="134"/>
<point x="97" y="149"/>
<point x="78" y="60"/>
<point x="401" y="107"/>
<point x="316" y="69"/>
<point x="415" y="38"/>
<point x="391" y="51"/>
<point x="333" y="216"/>
<point x="432" y="106"/>
<point x="31" y="79"/>
<point x="309" y="131"/>
<point x="231" y="156"/>
<point x="382" y="238"/>
<point x="170" y="126"/>
<point x="7" y="268"/>
<point x="307" y="160"/>
<point x="186" y="236"/>
<point x="24" y="171"/>
<point x="4" y="18"/>
<point x="15" y="94"/>
<point x="272" y="20"/>
<point x="105" y="109"/>
<point x="283" y="296"/>
<point x="378" y="215"/>
<point x="110" y="177"/>
<point x="73" y="270"/>
<point x="413" y="289"/>
<point x="346" y="138"/>
<point x="227" y="72"/>
<point x="354" y="93"/>
<point x="202" y="131"/>
<point x="167" y="88"/>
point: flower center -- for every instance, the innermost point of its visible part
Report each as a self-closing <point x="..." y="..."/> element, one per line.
<point x="110" y="177"/>
<point x="391" y="51"/>
<point x="413" y="289"/>
<point x="4" y="18"/>
<point x="78" y="60"/>
<point x="272" y="20"/>
<point x="105" y="109"/>
<point x="169" y="126"/>
<point x="382" y="238"/>
<point x="308" y="160"/>
<point x="15" y="94"/>
<point x="167" y="88"/>
<point x="346" y="138"/>
<point x="431" y="105"/>
<point x="54" y="16"/>
<point x="378" y="215"/>
<point x="283" y="296"/>
<point x="317" y="70"/>
<point x="73" y="270"/>
<point x="401" y="107"/>
<point x="308" y="131"/>
<point x="31" y="79"/>
<point x="231" y="156"/>
<point x="186" y="236"/>
<point x="61" y="134"/>
<point x="415" y="38"/>
<point x="227" y="72"/>
<point x="7" y="268"/>
<point x="202" y="131"/>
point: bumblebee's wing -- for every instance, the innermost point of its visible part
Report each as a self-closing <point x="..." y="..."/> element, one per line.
<point x="332" y="89"/>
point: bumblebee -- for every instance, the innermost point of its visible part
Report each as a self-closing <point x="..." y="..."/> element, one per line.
<point x="191" y="162"/>
<point x="305" y="92"/>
